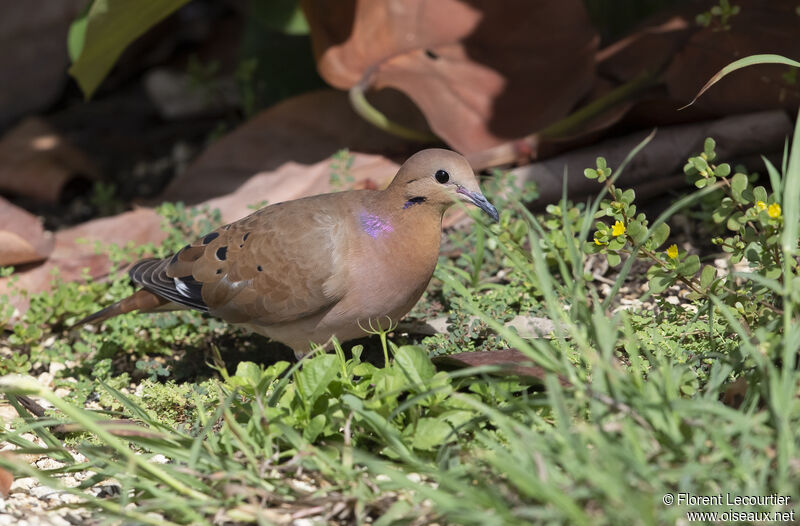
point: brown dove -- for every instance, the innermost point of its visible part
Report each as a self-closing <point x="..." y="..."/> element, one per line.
<point x="303" y="271"/>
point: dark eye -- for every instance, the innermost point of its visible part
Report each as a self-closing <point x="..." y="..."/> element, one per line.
<point x="442" y="176"/>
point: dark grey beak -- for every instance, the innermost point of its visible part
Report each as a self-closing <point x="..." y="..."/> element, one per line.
<point x="477" y="199"/>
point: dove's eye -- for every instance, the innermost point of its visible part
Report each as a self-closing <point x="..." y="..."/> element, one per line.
<point x="442" y="176"/>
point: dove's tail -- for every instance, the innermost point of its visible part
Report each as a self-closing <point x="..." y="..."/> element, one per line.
<point x="141" y="300"/>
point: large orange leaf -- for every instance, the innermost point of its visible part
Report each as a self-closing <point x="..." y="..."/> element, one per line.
<point x="482" y="71"/>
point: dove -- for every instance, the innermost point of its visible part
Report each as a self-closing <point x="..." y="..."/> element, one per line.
<point x="303" y="271"/>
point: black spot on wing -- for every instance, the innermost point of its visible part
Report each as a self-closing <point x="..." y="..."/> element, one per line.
<point x="222" y="253"/>
<point x="210" y="237"/>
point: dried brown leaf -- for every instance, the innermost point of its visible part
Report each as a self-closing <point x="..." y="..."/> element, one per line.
<point x="36" y="161"/>
<point x="22" y="237"/>
<point x="482" y="72"/>
<point x="305" y="129"/>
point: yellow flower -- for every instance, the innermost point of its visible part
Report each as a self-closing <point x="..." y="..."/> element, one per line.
<point x="774" y="210"/>
<point x="618" y="229"/>
<point x="598" y="242"/>
<point x="760" y="205"/>
<point x="672" y="251"/>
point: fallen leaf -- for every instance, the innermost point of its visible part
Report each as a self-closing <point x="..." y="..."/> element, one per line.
<point x="36" y="161"/>
<point x="305" y="129"/>
<point x="650" y="47"/>
<point x="293" y="181"/>
<point x="482" y="72"/>
<point x="22" y="236"/>
<point x="70" y="257"/>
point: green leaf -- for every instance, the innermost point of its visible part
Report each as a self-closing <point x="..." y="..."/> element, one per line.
<point x="753" y="251"/>
<point x="791" y="196"/>
<point x="699" y="164"/>
<point x="723" y="170"/>
<point x="760" y="194"/>
<point x="284" y="16"/>
<point x="774" y="178"/>
<point x="628" y="196"/>
<point x="707" y="276"/>
<point x="659" y="280"/>
<point x="613" y="259"/>
<point x="659" y="235"/>
<point x="247" y="374"/>
<point x="723" y="211"/>
<point x="110" y="26"/>
<point x="637" y="231"/>
<point x="415" y="364"/>
<point x="77" y="33"/>
<point x="735" y="221"/>
<point x="742" y="63"/>
<point x="314" y="427"/>
<point x="315" y="375"/>
<point x="430" y="433"/>
<point x="616" y="243"/>
<point x="708" y="147"/>
<point x="689" y="266"/>
<point x="738" y="185"/>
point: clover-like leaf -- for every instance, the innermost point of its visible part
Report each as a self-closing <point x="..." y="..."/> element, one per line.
<point x="738" y="185"/>
<point x="723" y="211"/>
<point x="753" y="251"/>
<point x="628" y="196"/>
<point x="689" y="266"/>
<point x="735" y="221"/>
<point x="708" y="148"/>
<point x="658" y="279"/>
<point x="659" y="235"/>
<point x="616" y="243"/>
<point x="707" y="276"/>
<point x="699" y="164"/>
<point x="760" y="194"/>
<point x="637" y="231"/>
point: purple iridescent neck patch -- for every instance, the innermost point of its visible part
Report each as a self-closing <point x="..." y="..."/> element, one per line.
<point x="375" y="226"/>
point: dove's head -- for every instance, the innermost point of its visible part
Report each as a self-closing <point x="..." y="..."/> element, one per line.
<point x="437" y="177"/>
